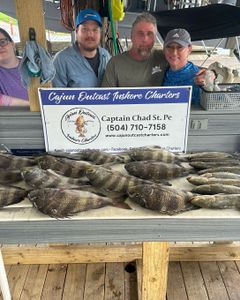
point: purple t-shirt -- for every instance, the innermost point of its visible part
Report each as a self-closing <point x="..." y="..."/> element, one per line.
<point x="10" y="83"/>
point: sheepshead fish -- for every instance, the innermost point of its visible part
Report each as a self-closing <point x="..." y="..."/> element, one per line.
<point x="222" y="175"/>
<point x="61" y="203"/>
<point x="209" y="189"/>
<point x="213" y="155"/>
<point x="198" y="180"/>
<point x="216" y="201"/>
<point x="152" y="153"/>
<point x="160" y="198"/>
<point x="11" y="195"/>
<point x="63" y="166"/>
<point x="111" y="180"/>
<point x="9" y="161"/>
<point x="154" y="170"/>
<point x="96" y="156"/>
<point x="213" y="164"/>
<point x="9" y="175"/>
<point x="99" y="157"/>
<point x="231" y="169"/>
<point x="39" y="178"/>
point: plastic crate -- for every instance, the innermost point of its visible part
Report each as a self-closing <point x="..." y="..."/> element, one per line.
<point x="221" y="100"/>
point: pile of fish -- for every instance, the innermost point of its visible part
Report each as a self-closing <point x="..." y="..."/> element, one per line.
<point x="218" y="180"/>
<point x="61" y="184"/>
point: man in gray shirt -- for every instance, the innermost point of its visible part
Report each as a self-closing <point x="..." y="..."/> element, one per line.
<point x="141" y="65"/>
<point x="82" y="64"/>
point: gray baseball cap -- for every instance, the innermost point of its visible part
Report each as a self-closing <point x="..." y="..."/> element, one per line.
<point x="179" y="35"/>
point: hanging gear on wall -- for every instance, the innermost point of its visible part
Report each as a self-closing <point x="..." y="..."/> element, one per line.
<point x="113" y="10"/>
<point x="70" y="8"/>
<point x="118" y="10"/>
<point x="66" y="9"/>
<point x="36" y="62"/>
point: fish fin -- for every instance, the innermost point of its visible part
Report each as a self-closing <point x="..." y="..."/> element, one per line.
<point x="189" y="206"/>
<point x="122" y="205"/>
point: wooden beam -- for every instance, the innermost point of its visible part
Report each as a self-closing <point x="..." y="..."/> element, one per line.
<point x="31" y="14"/>
<point x="54" y="254"/>
<point x="154" y="270"/>
<point x="205" y="252"/>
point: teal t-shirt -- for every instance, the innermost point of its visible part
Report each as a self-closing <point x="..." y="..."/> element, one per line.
<point x="184" y="76"/>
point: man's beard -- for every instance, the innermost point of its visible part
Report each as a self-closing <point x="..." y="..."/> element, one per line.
<point x="88" y="48"/>
<point x="144" y="52"/>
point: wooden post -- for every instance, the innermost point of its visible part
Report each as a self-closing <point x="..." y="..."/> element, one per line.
<point x="30" y="14"/>
<point x="155" y="270"/>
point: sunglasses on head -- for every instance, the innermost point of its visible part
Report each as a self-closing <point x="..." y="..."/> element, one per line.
<point x="4" y="42"/>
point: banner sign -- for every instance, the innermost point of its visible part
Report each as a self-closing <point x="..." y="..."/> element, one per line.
<point x="115" y="119"/>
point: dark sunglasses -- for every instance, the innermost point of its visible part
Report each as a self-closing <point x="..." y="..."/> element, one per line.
<point x="4" y="42"/>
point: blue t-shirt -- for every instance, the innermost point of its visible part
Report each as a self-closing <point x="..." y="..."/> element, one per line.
<point x="184" y="76"/>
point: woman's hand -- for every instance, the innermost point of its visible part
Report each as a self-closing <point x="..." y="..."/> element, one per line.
<point x="204" y="76"/>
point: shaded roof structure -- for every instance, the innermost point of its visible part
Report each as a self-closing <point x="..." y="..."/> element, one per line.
<point x="203" y="23"/>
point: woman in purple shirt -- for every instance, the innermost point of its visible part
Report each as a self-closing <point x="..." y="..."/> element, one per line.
<point x="12" y="93"/>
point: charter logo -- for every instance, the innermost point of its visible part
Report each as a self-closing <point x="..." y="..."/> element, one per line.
<point x="80" y="126"/>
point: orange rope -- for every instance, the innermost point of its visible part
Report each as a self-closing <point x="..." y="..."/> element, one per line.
<point x="67" y="14"/>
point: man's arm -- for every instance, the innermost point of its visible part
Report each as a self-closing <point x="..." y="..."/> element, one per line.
<point x="110" y="78"/>
<point x="60" y="78"/>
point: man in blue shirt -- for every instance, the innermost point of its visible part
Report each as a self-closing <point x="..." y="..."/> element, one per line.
<point x="82" y="64"/>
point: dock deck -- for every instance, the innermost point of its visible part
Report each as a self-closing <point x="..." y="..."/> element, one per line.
<point x="217" y="280"/>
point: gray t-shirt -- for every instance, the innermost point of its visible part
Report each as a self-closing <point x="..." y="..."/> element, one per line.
<point x="124" y="71"/>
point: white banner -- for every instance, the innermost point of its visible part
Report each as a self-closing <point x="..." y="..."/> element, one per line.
<point x="115" y="119"/>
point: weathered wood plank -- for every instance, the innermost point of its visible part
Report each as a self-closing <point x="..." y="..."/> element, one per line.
<point x="56" y="254"/>
<point x="213" y="281"/>
<point x="175" y="287"/>
<point x="95" y="277"/>
<point x="35" y="279"/>
<point x="194" y="283"/>
<point x="155" y="268"/>
<point x="114" y="281"/>
<point x="53" y="287"/>
<point x="139" y="266"/>
<point x="130" y="284"/>
<point x="74" y="286"/>
<point x="16" y="279"/>
<point x="231" y="278"/>
<point x="204" y="252"/>
<point x="95" y="253"/>
<point x="75" y="282"/>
